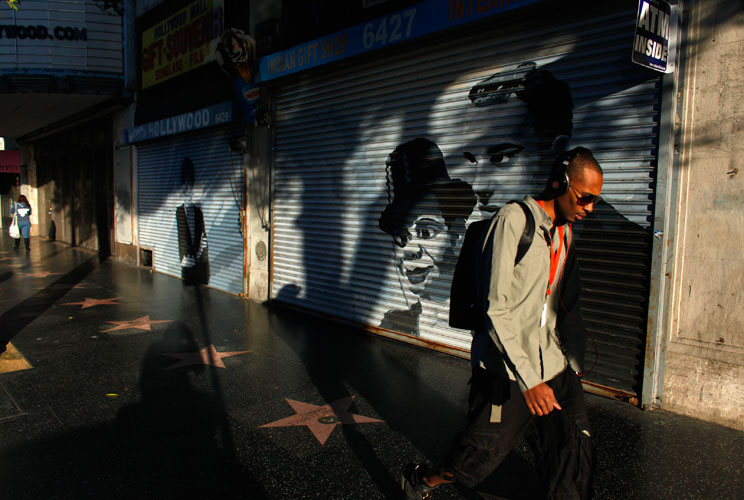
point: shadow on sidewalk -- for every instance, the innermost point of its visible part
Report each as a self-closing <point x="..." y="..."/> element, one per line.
<point x="411" y="394"/>
<point x="168" y="445"/>
<point x="18" y="317"/>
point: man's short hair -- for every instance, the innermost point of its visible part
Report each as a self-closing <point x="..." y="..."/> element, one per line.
<point x="582" y="158"/>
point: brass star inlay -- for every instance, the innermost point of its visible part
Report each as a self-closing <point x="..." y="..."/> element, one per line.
<point x="142" y="323"/>
<point x="89" y="302"/>
<point x="206" y="356"/>
<point x="321" y="420"/>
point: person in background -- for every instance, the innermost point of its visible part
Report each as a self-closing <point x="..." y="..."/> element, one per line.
<point x="23" y="209"/>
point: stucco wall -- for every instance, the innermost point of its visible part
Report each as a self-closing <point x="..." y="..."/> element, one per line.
<point x="704" y="370"/>
<point x="258" y="196"/>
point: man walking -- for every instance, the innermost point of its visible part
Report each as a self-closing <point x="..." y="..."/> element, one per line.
<point x="528" y="354"/>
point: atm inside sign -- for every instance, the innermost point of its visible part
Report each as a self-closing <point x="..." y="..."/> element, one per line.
<point x="655" y="35"/>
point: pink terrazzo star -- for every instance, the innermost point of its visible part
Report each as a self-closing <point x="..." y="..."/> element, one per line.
<point x="321" y="420"/>
<point x="206" y="356"/>
<point x="63" y="287"/>
<point x="89" y="302"/>
<point x="37" y="275"/>
<point x="142" y="323"/>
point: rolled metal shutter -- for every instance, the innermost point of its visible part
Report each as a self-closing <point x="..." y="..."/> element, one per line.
<point x="216" y="190"/>
<point x="335" y="131"/>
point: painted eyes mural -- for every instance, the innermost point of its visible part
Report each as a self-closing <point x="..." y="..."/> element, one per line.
<point x="427" y="211"/>
<point x="192" y="237"/>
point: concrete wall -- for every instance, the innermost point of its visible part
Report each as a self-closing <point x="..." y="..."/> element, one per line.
<point x="704" y="369"/>
<point x="125" y="249"/>
<point x="258" y="198"/>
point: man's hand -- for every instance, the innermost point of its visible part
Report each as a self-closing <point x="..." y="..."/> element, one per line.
<point x="541" y="400"/>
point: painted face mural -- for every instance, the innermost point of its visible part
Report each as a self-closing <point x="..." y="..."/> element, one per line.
<point x="526" y="114"/>
<point x="423" y="244"/>
<point x="192" y="237"/>
<point x="425" y="217"/>
<point x="511" y="126"/>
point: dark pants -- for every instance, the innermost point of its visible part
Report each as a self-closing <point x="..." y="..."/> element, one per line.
<point x="561" y="440"/>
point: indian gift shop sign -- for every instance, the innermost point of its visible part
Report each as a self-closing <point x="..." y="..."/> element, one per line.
<point x="182" y="41"/>
<point x="418" y="20"/>
<point x="10" y="161"/>
<point x="219" y="114"/>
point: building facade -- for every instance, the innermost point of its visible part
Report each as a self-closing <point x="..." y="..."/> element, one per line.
<point x="329" y="156"/>
<point x="63" y="75"/>
<point x="389" y="140"/>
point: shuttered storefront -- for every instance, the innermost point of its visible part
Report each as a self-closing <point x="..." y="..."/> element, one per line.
<point x="334" y="251"/>
<point x="193" y="227"/>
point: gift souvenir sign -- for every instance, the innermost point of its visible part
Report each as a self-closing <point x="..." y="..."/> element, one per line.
<point x="182" y="41"/>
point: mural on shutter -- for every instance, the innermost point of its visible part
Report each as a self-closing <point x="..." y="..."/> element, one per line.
<point x="379" y="171"/>
<point x="189" y="196"/>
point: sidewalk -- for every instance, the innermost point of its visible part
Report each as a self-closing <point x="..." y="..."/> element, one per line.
<point x="121" y="383"/>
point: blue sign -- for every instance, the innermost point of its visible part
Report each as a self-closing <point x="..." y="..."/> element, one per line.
<point x="218" y="114"/>
<point x="421" y="19"/>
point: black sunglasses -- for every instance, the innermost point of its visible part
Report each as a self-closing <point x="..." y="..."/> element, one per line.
<point x="584" y="199"/>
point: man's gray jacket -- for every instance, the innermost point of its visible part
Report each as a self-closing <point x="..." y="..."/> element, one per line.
<point x="529" y="335"/>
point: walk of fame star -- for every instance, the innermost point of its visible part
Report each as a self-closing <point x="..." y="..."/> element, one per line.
<point x="206" y="356"/>
<point x="63" y="287"/>
<point x="321" y="420"/>
<point x="142" y="323"/>
<point x="45" y="274"/>
<point x="89" y="302"/>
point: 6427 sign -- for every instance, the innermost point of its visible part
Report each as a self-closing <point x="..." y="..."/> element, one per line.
<point x="654" y="45"/>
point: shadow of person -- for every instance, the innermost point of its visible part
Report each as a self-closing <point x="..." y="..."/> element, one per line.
<point x="165" y="446"/>
<point x="175" y="426"/>
<point x="406" y="392"/>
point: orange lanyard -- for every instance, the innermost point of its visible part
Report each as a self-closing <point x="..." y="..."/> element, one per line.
<point x="555" y="255"/>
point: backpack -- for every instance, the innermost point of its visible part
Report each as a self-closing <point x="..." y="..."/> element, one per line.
<point x="466" y="308"/>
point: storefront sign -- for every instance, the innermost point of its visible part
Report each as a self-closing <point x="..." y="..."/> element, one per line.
<point x="181" y="42"/>
<point x="10" y="162"/>
<point x="41" y="32"/>
<point x="421" y="19"/>
<point x="655" y="35"/>
<point x="62" y="35"/>
<point x="218" y="114"/>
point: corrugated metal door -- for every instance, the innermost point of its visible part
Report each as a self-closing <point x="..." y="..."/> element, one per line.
<point x="189" y="207"/>
<point x="380" y="167"/>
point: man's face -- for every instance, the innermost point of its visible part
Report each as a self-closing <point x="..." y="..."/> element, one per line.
<point x="575" y="203"/>
<point x="427" y="245"/>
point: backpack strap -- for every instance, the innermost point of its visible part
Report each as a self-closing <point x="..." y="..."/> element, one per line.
<point x="528" y="234"/>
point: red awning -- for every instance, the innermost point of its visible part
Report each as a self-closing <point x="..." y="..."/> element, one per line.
<point x="10" y="161"/>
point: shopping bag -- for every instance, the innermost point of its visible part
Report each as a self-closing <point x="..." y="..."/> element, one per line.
<point x="15" y="233"/>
